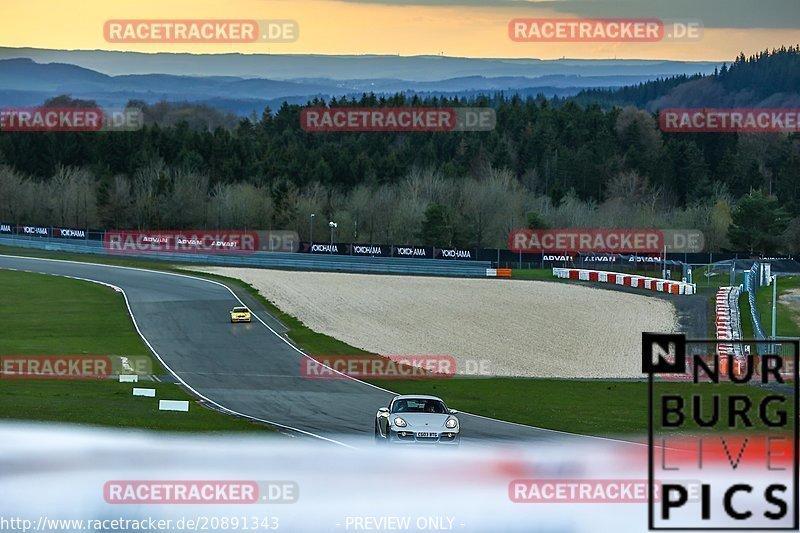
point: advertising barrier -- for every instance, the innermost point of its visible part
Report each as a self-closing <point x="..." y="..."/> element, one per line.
<point x="371" y="250"/>
<point x="34" y="231"/>
<point x="236" y="241"/>
<point x="336" y="248"/>
<point x="418" y="252"/>
<point x="453" y="253"/>
<point x="386" y="250"/>
<point x="199" y="242"/>
<point x="70" y="233"/>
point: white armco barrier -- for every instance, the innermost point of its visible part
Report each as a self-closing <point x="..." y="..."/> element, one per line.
<point x="630" y="280"/>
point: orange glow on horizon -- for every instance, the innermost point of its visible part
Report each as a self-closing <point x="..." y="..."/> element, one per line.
<point x="349" y="28"/>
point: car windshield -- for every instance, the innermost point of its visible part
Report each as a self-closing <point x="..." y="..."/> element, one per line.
<point x="239" y="309"/>
<point x="419" y="405"/>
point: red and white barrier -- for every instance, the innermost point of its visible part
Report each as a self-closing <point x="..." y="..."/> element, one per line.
<point x="729" y="328"/>
<point x="628" y="280"/>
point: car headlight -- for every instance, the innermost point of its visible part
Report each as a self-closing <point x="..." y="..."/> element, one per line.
<point x="399" y="422"/>
<point x="451" y="423"/>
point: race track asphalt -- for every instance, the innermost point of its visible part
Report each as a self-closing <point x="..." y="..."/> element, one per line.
<point x="249" y="368"/>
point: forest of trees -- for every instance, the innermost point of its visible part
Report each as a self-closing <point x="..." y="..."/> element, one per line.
<point x="550" y="163"/>
<point x="748" y="81"/>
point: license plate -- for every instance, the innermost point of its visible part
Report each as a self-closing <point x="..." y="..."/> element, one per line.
<point x="423" y="434"/>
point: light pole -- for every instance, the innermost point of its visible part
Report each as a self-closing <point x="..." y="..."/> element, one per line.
<point x="774" y="305"/>
<point x="311" y="230"/>
<point x="332" y="225"/>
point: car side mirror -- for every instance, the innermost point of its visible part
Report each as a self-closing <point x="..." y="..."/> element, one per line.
<point x="453" y="411"/>
<point x="383" y="411"/>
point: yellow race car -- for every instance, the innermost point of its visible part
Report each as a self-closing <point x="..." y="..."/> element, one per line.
<point x="240" y="314"/>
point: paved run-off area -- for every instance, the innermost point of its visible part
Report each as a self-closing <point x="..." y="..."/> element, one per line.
<point x="516" y="328"/>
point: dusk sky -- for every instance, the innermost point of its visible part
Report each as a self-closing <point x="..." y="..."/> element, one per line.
<point x="468" y="28"/>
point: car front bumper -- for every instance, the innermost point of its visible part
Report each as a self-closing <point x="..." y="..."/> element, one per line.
<point x="401" y="436"/>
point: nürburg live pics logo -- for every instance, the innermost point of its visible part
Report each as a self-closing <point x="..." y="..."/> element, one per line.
<point x="722" y="433"/>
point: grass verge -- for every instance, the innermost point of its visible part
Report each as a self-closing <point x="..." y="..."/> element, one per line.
<point x="49" y="315"/>
<point x="788" y="311"/>
<point x="788" y="314"/>
<point x="104" y="402"/>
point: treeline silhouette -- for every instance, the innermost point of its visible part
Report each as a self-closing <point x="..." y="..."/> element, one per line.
<point x="761" y="75"/>
<point x="562" y="162"/>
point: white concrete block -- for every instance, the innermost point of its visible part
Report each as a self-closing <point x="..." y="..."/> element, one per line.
<point x="173" y="405"/>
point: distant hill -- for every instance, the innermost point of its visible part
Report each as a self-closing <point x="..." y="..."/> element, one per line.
<point x="28" y="82"/>
<point x="23" y="74"/>
<point x="362" y="67"/>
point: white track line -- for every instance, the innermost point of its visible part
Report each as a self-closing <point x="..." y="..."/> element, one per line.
<point x="281" y="337"/>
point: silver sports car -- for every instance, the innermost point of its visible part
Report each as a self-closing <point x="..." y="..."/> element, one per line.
<point x="417" y="419"/>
